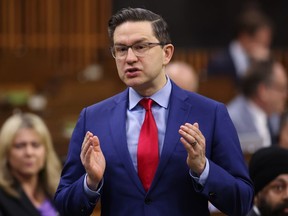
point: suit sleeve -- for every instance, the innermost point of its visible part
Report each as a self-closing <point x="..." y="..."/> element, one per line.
<point x="70" y="198"/>
<point x="228" y="186"/>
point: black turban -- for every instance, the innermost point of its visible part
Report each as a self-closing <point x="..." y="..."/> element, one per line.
<point x="266" y="164"/>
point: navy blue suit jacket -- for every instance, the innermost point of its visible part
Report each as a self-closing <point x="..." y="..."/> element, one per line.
<point x="222" y="64"/>
<point x="173" y="191"/>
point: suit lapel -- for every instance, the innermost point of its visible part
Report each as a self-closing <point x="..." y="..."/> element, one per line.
<point x="118" y="126"/>
<point x="177" y="105"/>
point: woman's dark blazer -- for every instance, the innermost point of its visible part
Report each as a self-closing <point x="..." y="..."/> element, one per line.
<point x="11" y="206"/>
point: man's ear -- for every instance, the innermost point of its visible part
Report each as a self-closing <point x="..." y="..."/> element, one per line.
<point x="256" y="199"/>
<point x="258" y="196"/>
<point x="168" y="51"/>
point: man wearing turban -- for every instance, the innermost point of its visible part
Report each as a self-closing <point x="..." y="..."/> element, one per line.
<point x="268" y="170"/>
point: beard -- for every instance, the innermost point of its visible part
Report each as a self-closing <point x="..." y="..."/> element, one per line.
<point x="267" y="210"/>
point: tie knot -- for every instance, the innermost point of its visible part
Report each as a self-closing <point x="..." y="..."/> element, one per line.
<point x="146" y="103"/>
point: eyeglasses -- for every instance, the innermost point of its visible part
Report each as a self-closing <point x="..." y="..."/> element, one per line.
<point x="139" y="49"/>
<point x="278" y="188"/>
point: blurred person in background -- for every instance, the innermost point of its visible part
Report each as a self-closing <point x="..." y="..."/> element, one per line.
<point x="30" y="168"/>
<point x="183" y="75"/>
<point x="262" y="99"/>
<point x="268" y="170"/>
<point x="253" y="38"/>
<point x="283" y="135"/>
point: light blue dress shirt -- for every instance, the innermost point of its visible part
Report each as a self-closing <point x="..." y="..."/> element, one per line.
<point x="135" y="118"/>
<point x="136" y="114"/>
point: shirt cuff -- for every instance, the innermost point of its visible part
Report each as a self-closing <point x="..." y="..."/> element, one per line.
<point x="92" y="195"/>
<point x="204" y="175"/>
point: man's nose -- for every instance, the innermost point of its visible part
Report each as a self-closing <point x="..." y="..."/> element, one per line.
<point x="131" y="55"/>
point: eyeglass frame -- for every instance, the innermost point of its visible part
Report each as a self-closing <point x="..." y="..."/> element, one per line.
<point x="125" y="52"/>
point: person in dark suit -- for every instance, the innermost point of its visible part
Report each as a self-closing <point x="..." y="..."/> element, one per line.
<point x="262" y="99"/>
<point x="253" y="38"/>
<point x="30" y="168"/>
<point x="197" y="156"/>
<point x="268" y="169"/>
<point x="283" y="134"/>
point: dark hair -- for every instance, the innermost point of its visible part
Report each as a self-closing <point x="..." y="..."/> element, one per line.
<point x="252" y="20"/>
<point x="260" y="72"/>
<point x="159" y="25"/>
<point x="283" y="119"/>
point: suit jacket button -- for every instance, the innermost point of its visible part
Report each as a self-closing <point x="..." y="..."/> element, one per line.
<point x="148" y="201"/>
<point x="212" y="195"/>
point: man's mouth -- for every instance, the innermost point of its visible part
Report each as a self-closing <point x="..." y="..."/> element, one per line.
<point x="131" y="70"/>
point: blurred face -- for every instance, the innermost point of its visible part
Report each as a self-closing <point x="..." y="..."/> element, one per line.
<point x="143" y="73"/>
<point x="27" y="155"/>
<point x="263" y="36"/>
<point x="275" y="95"/>
<point x="273" y="199"/>
<point x="183" y="75"/>
<point x="257" y="45"/>
<point x="283" y="137"/>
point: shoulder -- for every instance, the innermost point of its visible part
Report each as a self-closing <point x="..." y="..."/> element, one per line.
<point x="11" y="206"/>
<point x="110" y="102"/>
<point x="238" y="105"/>
<point x="237" y="101"/>
<point x="195" y="100"/>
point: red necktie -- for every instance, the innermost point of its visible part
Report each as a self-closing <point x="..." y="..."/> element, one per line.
<point x="147" y="154"/>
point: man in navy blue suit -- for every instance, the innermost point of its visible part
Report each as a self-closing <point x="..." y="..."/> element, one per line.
<point x="200" y="158"/>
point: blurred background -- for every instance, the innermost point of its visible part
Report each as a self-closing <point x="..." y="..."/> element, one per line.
<point x="55" y="59"/>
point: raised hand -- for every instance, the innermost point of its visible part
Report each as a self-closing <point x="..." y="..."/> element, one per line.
<point x="194" y="142"/>
<point x="93" y="160"/>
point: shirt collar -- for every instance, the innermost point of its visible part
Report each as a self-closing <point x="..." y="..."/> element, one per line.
<point x="161" y="97"/>
<point x="259" y="114"/>
<point x="256" y="210"/>
<point x="239" y="57"/>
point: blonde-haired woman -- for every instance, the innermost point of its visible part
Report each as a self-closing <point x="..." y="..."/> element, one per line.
<point x="30" y="168"/>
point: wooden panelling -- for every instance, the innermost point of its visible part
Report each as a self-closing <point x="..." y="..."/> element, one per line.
<point x="47" y="44"/>
<point x="69" y="34"/>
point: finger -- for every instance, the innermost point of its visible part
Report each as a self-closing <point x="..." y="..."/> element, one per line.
<point x="86" y="138"/>
<point x="196" y="131"/>
<point x="86" y="144"/>
<point x="189" y="131"/>
<point x="193" y="144"/>
<point x="84" y="151"/>
<point x="187" y="145"/>
<point x="88" y="154"/>
<point x="87" y="159"/>
<point x="194" y="128"/>
<point x="96" y="143"/>
<point x="184" y="132"/>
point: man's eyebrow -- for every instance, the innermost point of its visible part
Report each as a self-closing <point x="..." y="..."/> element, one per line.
<point x="279" y="180"/>
<point x="138" y="41"/>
